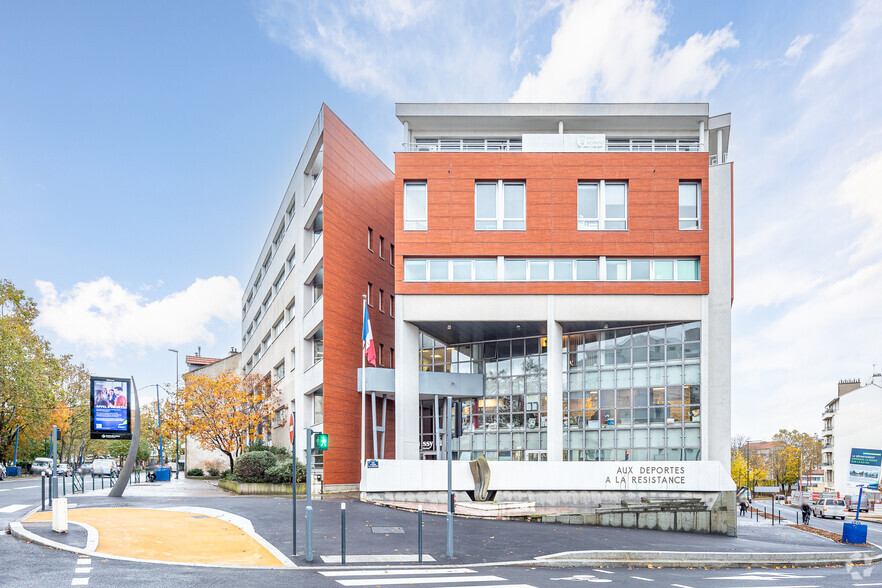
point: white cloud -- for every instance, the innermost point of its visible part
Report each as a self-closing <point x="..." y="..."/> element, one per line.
<point x="859" y="191"/>
<point x="614" y="51"/>
<point x="103" y="317"/>
<point x="396" y="49"/>
<point x="797" y="45"/>
<point x="856" y="35"/>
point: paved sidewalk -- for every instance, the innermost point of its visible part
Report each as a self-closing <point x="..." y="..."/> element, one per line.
<point x="380" y="536"/>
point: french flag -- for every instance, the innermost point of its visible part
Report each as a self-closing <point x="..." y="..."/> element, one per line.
<point x="367" y="339"/>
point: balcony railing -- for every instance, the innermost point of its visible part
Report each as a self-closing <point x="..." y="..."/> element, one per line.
<point x="476" y="145"/>
<point x="827" y="447"/>
<point x="611" y="146"/>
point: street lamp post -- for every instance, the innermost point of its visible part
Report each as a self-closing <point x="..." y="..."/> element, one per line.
<point x="177" y="438"/>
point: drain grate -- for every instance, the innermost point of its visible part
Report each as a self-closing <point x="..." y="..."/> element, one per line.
<point x="387" y="530"/>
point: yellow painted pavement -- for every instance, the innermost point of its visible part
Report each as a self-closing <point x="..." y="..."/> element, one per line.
<point x="169" y="536"/>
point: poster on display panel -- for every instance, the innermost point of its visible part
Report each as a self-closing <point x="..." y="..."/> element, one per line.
<point x="864" y="467"/>
<point x="110" y="414"/>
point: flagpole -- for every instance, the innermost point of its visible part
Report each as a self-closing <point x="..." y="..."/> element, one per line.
<point x="363" y="353"/>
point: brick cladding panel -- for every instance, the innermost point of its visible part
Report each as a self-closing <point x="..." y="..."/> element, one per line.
<point x="357" y="195"/>
<point x="551" y="184"/>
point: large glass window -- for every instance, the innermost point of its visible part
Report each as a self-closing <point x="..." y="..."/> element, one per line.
<point x="602" y="206"/>
<point x="415" y="206"/>
<point x="509" y="422"/>
<point x="633" y="393"/>
<point x="500" y="206"/>
<point x="690" y="205"/>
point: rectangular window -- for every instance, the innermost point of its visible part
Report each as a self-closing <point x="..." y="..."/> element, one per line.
<point x="370" y="239"/>
<point x="616" y="269"/>
<point x="602" y="206"/>
<point x="266" y="301"/>
<point x="277" y="328"/>
<point x="485" y="270"/>
<point x="415" y="206"/>
<point x="392" y="357"/>
<point x="279" y="371"/>
<point x="289" y="311"/>
<point x="391" y="254"/>
<point x="265" y="343"/>
<point x="391" y="305"/>
<point x="318" y="408"/>
<point x="291" y="209"/>
<point x="370" y="294"/>
<point x="500" y="206"/>
<point x="277" y="284"/>
<point x="586" y="269"/>
<point x="290" y="261"/>
<point x="415" y="270"/>
<point x="380" y="355"/>
<point x="438" y="270"/>
<point x="278" y="239"/>
<point x="563" y="270"/>
<point x="380" y="301"/>
<point x="690" y="205"/>
<point x="687" y="270"/>
<point x="515" y="270"/>
<point x="318" y="348"/>
<point x="382" y="246"/>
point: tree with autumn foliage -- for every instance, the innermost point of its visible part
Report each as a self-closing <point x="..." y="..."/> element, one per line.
<point x="27" y="370"/>
<point x="223" y="412"/>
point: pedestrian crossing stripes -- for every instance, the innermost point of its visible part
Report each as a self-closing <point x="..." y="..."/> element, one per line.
<point x="425" y="576"/>
<point x="13" y="508"/>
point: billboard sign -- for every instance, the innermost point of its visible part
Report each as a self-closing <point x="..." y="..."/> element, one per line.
<point x="110" y="414"/>
<point x="864" y="467"/>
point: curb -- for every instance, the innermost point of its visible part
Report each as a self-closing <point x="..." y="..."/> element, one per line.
<point x="685" y="559"/>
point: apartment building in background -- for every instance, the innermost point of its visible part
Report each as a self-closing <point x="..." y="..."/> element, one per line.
<point x="851" y="421"/>
<point x="565" y="271"/>
<point x="330" y="242"/>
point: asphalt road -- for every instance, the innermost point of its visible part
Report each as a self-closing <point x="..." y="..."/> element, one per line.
<point x="25" y="564"/>
<point x="874" y="530"/>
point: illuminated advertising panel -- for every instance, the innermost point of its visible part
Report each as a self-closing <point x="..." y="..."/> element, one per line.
<point x="110" y="408"/>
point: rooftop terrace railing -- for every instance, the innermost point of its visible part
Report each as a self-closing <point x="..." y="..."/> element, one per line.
<point x="496" y="145"/>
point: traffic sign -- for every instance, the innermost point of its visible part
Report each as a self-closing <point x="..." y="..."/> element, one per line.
<point x="291" y="427"/>
<point x="321" y="441"/>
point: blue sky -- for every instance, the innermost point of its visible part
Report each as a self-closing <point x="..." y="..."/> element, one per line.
<point x="144" y="149"/>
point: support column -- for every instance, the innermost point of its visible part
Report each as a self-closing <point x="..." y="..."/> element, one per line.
<point x="720" y="155"/>
<point x="702" y="144"/>
<point x="555" y="386"/>
<point x="407" y="386"/>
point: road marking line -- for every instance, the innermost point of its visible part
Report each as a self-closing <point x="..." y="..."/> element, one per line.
<point x="644" y="579"/>
<point x="84" y="561"/>
<point x="870" y="584"/>
<point x="82" y="570"/>
<point x="604" y="571"/>
<point x="391" y="581"/>
<point x="680" y="586"/>
<point x="13" y="507"/>
<point x="80" y="582"/>
<point x="416" y="571"/>
<point x="499" y="586"/>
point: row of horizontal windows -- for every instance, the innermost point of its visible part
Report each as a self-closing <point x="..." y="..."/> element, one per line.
<point x="551" y="270"/>
<point x="502" y="206"/>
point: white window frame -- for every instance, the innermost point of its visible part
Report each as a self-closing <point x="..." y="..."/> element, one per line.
<point x="289" y="311"/>
<point x="412" y="223"/>
<point x="696" y="220"/>
<point x="500" y="214"/>
<point x="290" y="261"/>
<point x="279" y="371"/>
<point x="601" y="220"/>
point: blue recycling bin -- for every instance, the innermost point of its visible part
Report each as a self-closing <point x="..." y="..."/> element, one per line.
<point x="854" y="532"/>
<point x="163" y="474"/>
<point x="13" y="471"/>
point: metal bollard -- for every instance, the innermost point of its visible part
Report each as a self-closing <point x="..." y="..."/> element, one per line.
<point x="93" y="480"/>
<point x="42" y="492"/>
<point x="102" y="482"/>
<point x="309" y="533"/>
<point x="64" y="485"/>
<point x="49" y="484"/>
<point x="420" y="533"/>
<point x="343" y="533"/>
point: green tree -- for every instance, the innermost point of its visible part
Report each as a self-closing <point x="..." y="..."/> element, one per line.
<point x="27" y="371"/>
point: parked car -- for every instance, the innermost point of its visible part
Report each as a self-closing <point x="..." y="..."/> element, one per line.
<point x="85" y="469"/>
<point x="40" y="465"/>
<point x="851" y="502"/>
<point x="104" y="467"/>
<point x="63" y="469"/>
<point x="829" y="507"/>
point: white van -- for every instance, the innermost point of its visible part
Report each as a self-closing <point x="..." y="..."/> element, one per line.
<point x="41" y="464"/>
